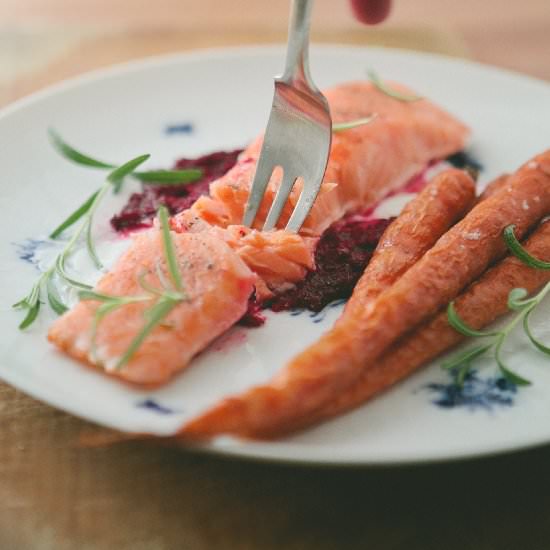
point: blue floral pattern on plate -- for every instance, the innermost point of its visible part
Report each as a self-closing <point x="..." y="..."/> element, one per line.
<point x="154" y="406"/>
<point x="29" y="250"/>
<point x="476" y="392"/>
<point x="181" y="128"/>
<point x="317" y="316"/>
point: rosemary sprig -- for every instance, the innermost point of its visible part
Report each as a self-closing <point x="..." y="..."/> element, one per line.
<point x="85" y="214"/>
<point x="56" y="303"/>
<point x="163" y="300"/>
<point x="148" y="177"/>
<point x="519" y="302"/>
<point x="32" y="302"/>
<point x="389" y="91"/>
<point x="343" y="126"/>
<point x="65" y="150"/>
<point x="495" y="342"/>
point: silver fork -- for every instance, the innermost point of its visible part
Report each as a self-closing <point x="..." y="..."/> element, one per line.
<point x="298" y="133"/>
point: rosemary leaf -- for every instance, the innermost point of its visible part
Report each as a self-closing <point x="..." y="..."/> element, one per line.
<point x="21" y="304"/>
<point x="462" y="373"/>
<point x="155" y="315"/>
<point x="342" y="126"/>
<point x="32" y="314"/>
<point x="90" y="245"/>
<point x="119" y="173"/>
<point x="465" y="357"/>
<point x="517" y="301"/>
<point x="389" y="91"/>
<point x="459" y="325"/>
<point x="164" y="282"/>
<point x="168" y="177"/>
<point x="53" y="296"/>
<point x="61" y="271"/>
<point x="147" y="287"/>
<point x="513" y="377"/>
<point x="519" y="252"/>
<point x="73" y="155"/>
<point x="74" y="217"/>
<point x="108" y="298"/>
<point x="93" y="295"/>
<point x="537" y="343"/>
<point x="506" y="372"/>
<point x="29" y="301"/>
<point x="115" y="178"/>
<point x="169" y="249"/>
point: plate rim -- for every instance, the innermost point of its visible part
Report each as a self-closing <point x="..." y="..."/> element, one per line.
<point x="135" y="65"/>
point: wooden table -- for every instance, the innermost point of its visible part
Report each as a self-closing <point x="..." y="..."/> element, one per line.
<point x="56" y="494"/>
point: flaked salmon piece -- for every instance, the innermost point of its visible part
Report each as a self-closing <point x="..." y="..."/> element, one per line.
<point x="278" y="258"/>
<point x="228" y="195"/>
<point x="217" y="283"/>
<point x="365" y="163"/>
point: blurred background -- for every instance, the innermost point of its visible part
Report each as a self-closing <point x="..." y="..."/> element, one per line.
<point x="43" y="41"/>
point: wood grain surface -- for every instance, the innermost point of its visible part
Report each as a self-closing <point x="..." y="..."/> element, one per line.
<point x="56" y="494"/>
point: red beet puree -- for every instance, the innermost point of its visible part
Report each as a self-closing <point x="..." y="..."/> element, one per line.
<point x="142" y="207"/>
<point x="341" y="256"/>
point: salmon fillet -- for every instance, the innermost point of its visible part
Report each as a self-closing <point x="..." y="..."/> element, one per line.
<point x="365" y="164"/>
<point x="218" y="285"/>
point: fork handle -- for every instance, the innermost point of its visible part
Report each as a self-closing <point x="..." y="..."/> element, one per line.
<point x="297" y="54"/>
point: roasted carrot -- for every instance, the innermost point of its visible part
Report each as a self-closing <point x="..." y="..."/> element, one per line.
<point x="425" y="218"/>
<point x="336" y="361"/>
<point x="478" y="306"/>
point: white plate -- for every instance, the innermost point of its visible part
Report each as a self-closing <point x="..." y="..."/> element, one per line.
<point x="121" y="112"/>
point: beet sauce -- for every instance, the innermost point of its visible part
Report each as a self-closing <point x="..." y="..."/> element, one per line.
<point x="253" y="316"/>
<point x="141" y="208"/>
<point x="341" y="256"/>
